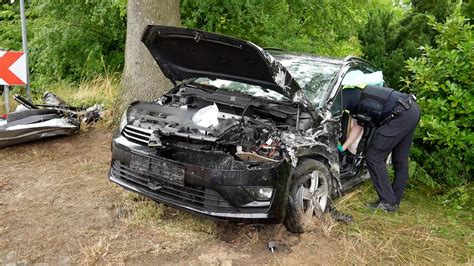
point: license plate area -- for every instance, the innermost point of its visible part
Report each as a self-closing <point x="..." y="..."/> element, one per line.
<point x="159" y="170"/>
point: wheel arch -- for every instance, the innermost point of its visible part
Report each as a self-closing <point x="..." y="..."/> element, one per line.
<point x="333" y="167"/>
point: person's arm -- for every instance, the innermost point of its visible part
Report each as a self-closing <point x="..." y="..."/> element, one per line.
<point x="356" y="129"/>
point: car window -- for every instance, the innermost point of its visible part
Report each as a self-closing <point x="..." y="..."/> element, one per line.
<point x="313" y="75"/>
<point x="354" y="76"/>
<point x="240" y="87"/>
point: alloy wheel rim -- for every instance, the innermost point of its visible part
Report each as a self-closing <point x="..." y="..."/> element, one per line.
<point x="313" y="195"/>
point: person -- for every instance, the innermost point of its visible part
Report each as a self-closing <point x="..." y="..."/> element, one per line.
<point x="395" y="116"/>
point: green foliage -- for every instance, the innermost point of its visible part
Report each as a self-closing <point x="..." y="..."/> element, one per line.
<point x="10" y="29"/>
<point x="443" y="81"/>
<point x="457" y="198"/>
<point x="439" y="9"/>
<point x="418" y="174"/>
<point x="68" y="39"/>
<point x="321" y="27"/>
<point x="86" y="39"/>
<point x="387" y="42"/>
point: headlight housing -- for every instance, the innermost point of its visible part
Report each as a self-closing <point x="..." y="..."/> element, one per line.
<point x="260" y="193"/>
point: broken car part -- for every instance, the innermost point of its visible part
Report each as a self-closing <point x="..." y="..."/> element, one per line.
<point x="37" y="121"/>
<point x="265" y="150"/>
<point x="272" y="246"/>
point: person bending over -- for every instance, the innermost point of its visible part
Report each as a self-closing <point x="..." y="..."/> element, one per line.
<point x="395" y="116"/>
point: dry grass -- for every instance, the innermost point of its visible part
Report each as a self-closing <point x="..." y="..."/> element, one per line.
<point x="420" y="233"/>
<point x="416" y="234"/>
<point x="145" y="229"/>
<point x="101" y="90"/>
<point x="177" y="230"/>
<point x="93" y="254"/>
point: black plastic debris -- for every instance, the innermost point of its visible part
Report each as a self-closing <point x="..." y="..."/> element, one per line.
<point x="340" y="216"/>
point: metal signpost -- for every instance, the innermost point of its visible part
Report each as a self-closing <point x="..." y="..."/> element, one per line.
<point x="14" y="65"/>
<point x="25" y="46"/>
<point x="6" y="92"/>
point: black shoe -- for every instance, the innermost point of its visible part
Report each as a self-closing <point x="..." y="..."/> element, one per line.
<point x="373" y="205"/>
<point x="384" y="206"/>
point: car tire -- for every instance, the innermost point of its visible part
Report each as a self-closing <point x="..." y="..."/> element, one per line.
<point x="309" y="195"/>
<point x="27" y="113"/>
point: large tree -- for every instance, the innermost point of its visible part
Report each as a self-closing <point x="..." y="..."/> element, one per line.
<point x="142" y="78"/>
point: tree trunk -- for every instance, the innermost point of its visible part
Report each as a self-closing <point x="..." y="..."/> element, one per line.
<point x="142" y="79"/>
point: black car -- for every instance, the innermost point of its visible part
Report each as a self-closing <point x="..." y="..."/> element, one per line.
<point x="246" y="134"/>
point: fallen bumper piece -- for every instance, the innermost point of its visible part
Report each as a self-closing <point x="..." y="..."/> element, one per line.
<point x="20" y="133"/>
<point x="34" y="122"/>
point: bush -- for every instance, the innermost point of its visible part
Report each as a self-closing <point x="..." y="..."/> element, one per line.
<point x="443" y="81"/>
<point x="68" y="40"/>
<point x="321" y="27"/>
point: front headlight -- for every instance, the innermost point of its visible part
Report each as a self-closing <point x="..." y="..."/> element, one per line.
<point x="123" y="122"/>
<point x="260" y="193"/>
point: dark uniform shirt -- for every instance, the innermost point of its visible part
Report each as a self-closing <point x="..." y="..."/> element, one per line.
<point x="351" y="98"/>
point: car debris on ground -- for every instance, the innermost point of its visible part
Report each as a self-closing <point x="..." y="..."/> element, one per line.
<point x="55" y="117"/>
<point x="272" y="246"/>
<point x="340" y="216"/>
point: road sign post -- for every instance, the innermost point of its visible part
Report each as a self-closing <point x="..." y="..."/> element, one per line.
<point x="7" y="100"/>
<point x="25" y="46"/>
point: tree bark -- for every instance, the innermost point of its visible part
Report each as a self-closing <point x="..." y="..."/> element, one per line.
<point x="142" y="79"/>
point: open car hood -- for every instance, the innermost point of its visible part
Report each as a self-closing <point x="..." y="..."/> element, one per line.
<point x="187" y="53"/>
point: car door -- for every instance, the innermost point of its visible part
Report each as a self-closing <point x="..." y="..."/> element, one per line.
<point x="351" y="165"/>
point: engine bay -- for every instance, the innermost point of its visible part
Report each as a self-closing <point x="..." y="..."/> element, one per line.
<point x="219" y="122"/>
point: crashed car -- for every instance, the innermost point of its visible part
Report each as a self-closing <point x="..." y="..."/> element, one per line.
<point x="54" y="118"/>
<point x="245" y="134"/>
<point x="34" y="122"/>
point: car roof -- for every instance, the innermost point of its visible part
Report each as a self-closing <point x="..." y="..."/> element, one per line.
<point x="333" y="60"/>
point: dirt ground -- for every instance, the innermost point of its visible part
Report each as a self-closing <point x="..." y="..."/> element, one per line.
<point x="58" y="207"/>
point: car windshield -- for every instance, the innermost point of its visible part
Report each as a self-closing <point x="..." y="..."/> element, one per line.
<point x="313" y="75"/>
<point x="240" y="87"/>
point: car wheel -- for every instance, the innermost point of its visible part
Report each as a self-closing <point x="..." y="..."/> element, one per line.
<point x="309" y="195"/>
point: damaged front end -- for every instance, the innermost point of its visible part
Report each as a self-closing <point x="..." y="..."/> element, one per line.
<point x="237" y="168"/>
<point x="225" y="141"/>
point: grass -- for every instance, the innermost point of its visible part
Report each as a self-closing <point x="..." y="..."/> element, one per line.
<point x="422" y="231"/>
<point x="181" y="230"/>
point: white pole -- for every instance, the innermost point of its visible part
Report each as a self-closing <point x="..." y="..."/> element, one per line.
<point x="25" y="46"/>
<point x="7" y="102"/>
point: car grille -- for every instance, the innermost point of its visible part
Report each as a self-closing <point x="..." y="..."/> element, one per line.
<point x="193" y="196"/>
<point x="137" y="134"/>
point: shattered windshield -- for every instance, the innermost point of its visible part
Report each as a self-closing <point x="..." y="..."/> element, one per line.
<point x="312" y="75"/>
<point x="239" y="87"/>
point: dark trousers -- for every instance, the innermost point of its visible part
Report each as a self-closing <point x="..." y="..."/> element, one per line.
<point x="394" y="136"/>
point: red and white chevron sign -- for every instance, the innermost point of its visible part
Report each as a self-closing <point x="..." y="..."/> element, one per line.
<point x="12" y="68"/>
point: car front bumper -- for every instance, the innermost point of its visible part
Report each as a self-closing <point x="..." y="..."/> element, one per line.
<point x="213" y="192"/>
